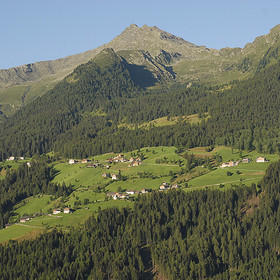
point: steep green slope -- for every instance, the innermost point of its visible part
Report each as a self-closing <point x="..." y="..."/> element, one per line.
<point x="244" y="116"/>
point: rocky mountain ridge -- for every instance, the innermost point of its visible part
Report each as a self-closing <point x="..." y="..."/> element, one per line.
<point x="166" y="56"/>
<point x="150" y="39"/>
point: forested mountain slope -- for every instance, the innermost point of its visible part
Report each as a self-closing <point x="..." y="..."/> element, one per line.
<point x="36" y="126"/>
<point x="81" y="115"/>
<point x="174" y="235"/>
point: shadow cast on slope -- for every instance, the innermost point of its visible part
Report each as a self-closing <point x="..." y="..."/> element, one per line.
<point x="141" y="76"/>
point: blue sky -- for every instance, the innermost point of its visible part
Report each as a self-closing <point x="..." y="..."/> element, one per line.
<point x="35" y="30"/>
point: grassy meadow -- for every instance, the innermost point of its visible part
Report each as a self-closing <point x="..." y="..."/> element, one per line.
<point x="166" y="121"/>
<point x="17" y="231"/>
<point x="36" y="204"/>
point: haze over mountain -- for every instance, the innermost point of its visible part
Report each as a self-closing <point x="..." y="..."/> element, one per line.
<point x="167" y="57"/>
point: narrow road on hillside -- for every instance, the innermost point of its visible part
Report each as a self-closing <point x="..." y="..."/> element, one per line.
<point x="162" y="164"/>
<point x="18" y="224"/>
<point x="236" y="181"/>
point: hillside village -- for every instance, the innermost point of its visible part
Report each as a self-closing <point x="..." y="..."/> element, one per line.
<point x="131" y="162"/>
<point x="112" y="195"/>
<point x="244" y="160"/>
<point x="119" y="195"/>
<point x="119" y="158"/>
<point x="55" y="211"/>
<point x="134" y="165"/>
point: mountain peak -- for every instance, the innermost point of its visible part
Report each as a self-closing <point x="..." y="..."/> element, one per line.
<point x="132" y="27"/>
<point x="152" y="39"/>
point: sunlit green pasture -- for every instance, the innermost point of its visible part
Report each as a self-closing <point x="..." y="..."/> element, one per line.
<point x="76" y="218"/>
<point x="15" y="231"/>
<point x="37" y="204"/>
<point x="249" y="173"/>
<point x="166" y="121"/>
<point x="78" y="174"/>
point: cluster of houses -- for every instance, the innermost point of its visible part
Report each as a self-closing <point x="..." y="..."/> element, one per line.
<point x="230" y="164"/>
<point x="166" y="186"/>
<point x="120" y="195"/>
<point x="108" y="175"/>
<point x="89" y="163"/>
<point x="55" y="211"/>
<point x="120" y="158"/>
<point x="24" y="219"/>
<point x="244" y="160"/>
<point x="65" y="211"/>
<point x="73" y="161"/>
<point x="12" y="158"/>
<point x="94" y="164"/>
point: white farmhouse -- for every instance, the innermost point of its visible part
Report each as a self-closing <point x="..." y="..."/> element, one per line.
<point x="229" y="164"/>
<point x="11" y="158"/>
<point x="261" y="159"/>
<point x="115" y="176"/>
<point x="130" y="192"/>
<point x="66" y="210"/>
<point x="56" y="211"/>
